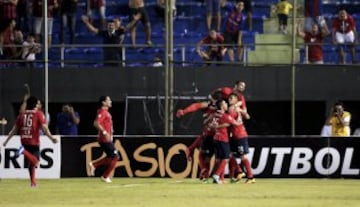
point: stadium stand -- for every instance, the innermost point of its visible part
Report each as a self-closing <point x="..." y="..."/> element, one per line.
<point x="189" y="27"/>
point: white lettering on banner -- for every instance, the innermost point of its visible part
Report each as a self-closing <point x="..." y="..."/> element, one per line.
<point x="300" y="161"/>
<point x="50" y="159"/>
<point x="333" y="161"/>
<point x="345" y="170"/>
<point x="303" y="160"/>
<point x="279" y="158"/>
<point x="264" y="157"/>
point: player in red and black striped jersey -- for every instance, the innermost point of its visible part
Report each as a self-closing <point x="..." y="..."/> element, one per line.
<point x="103" y="123"/>
<point x="204" y="142"/>
<point x="220" y="122"/>
<point x="28" y="125"/>
<point x="238" y="89"/>
<point x="239" y="141"/>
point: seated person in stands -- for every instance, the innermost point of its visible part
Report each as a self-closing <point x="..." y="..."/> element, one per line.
<point x="215" y="50"/>
<point x="314" y="41"/>
<point x="111" y="36"/>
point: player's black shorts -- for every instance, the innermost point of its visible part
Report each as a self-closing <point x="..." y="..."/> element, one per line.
<point x="222" y="149"/>
<point x="239" y="146"/>
<point x="109" y="149"/>
<point x="33" y="149"/>
<point x="207" y="147"/>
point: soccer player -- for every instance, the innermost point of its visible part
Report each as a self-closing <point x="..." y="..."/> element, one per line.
<point x="103" y="123"/>
<point x="239" y="89"/>
<point x="239" y="140"/>
<point x="28" y="125"/>
<point x="220" y="123"/>
<point x="205" y="140"/>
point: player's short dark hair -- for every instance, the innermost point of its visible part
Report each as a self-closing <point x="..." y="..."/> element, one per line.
<point x="101" y="100"/>
<point x="217" y="95"/>
<point x="31" y="102"/>
<point x="234" y="94"/>
<point x="218" y="103"/>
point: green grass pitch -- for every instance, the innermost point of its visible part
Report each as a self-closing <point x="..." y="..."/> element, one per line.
<point x="165" y="192"/>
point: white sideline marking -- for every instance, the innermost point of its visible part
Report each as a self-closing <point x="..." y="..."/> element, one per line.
<point x="132" y="185"/>
<point x="124" y="186"/>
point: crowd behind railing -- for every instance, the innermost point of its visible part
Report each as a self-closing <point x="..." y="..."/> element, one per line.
<point x="217" y="46"/>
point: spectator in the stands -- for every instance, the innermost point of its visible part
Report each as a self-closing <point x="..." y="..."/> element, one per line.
<point x="18" y="42"/>
<point x="68" y="10"/>
<point x="29" y="51"/>
<point x="110" y="36"/>
<point x="248" y="10"/>
<point x="118" y="26"/>
<point x="37" y="11"/>
<point x="215" y="49"/>
<point x="98" y="6"/>
<point x="7" y="12"/>
<point x="313" y="14"/>
<point x="160" y="8"/>
<point x="67" y="121"/>
<point x="283" y="8"/>
<point x="23" y="16"/>
<point x="157" y="61"/>
<point x="314" y="42"/>
<point x="234" y="27"/>
<point x="138" y="7"/>
<point x="344" y="34"/>
<point x="7" y="38"/>
<point x="213" y="9"/>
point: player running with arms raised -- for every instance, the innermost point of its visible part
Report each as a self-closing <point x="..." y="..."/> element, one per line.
<point x="28" y="125"/>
